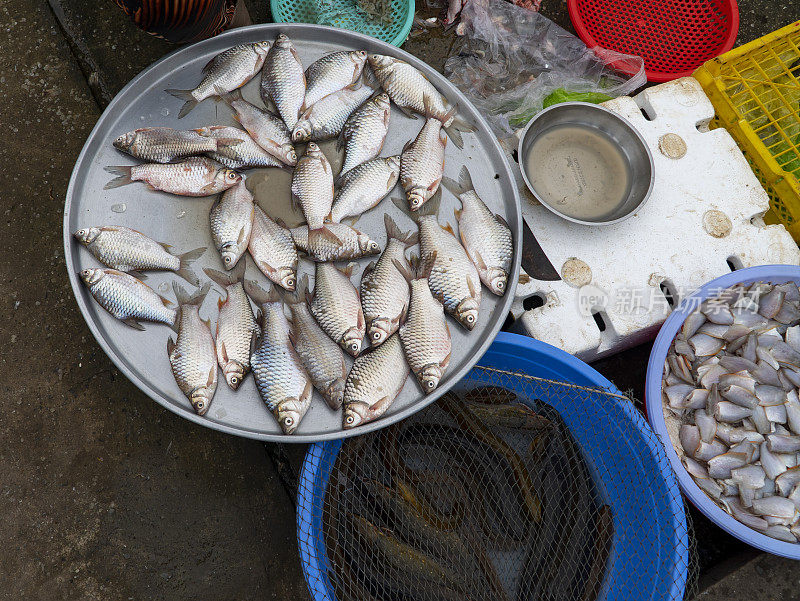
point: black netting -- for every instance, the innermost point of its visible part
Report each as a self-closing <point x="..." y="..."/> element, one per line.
<point x="508" y="488"/>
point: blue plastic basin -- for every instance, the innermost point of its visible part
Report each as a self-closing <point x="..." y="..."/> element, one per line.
<point x="776" y="274"/>
<point x="649" y="556"/>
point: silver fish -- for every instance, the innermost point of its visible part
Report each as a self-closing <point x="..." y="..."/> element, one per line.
<point x="333" y="72"/>
<point x="192" y="177"/>
<point x="165" y="145"/>
<point x="384" y="290"/>
<point x="124" y="249"/>
<point x="337" y="308"/>
<point x="322" y="357"/>
<point x="374" y="381"/>
<point x="245" y="155"/>
<point x="364" y="187"/>
<point x="409" y="89"/>
<point x="227" y="71"/>
<point x="283" y="80"/>
<point x="127" y="298"/>
<point x="273" y="250"/>
<point x="231" y="220"/>
<point x="326" y="118"/>
<point x="425" y="333"/>
<point x="454" y="279"/>
<point x="364" y="132"/>
<point x="265" y="128"/>
<point x="422" y="164"/>
<point x="236" y="326"/>
<point x="338" y="242"/>
<point x="486" y="237"/>
<point x="191" y="356"/>
<point x="281" y="379"/>
<point x="312" y="186"/>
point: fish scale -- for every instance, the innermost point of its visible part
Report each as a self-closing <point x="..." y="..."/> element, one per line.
<point x="325" y="119"/>
<point x="333" y="72"/>
<point x="227" y="71"/>
<point x="384" y="290"/>
<point x="364" y="132"/>
<point x="231" y="220"/>
<point x="422" y="164"/>
<point x="245" y="155"/>
<point x="193" y="177"/>
<point x="273" y="250"/>
<point x="236" y="326"/>
<point x="486" y="237"/>
<point x="127" y="298"/>
<point x="350" y="243"/>
<point x="312" y="186"/>
<point x="164" y="144"/>
<point x="283" y="80"/>
<point x="425" y="334"/>
<point x="321" y="356"/>
<point x="192" y="356"/>
<point x="374" y="381"/>
<point x="337" y="308"/>
<point x="409" y="88"/>
<point x="364" y="187"/>
<point x="282" y="381"/>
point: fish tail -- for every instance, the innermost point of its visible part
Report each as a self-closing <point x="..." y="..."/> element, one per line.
<point x="402" y="267"/>
<point x="123" y="173"/>
<point x="261" y="296"/>
<point x="464" y="183"/>
<point x="184" y="268"/>
<point x="432" y="206"/>
<point x="456" y="128"/>
<point x="184" y="298"/>
<point x="228" y="97"/>
<point x="392" y="231"/>
<point x="189" y="100"/>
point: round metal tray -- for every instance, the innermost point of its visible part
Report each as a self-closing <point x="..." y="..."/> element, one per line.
<point x="183" y="222"/>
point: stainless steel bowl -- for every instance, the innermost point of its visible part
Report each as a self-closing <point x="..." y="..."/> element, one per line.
<point x="634" y="152"/>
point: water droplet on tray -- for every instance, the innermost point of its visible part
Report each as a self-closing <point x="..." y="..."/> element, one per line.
<point x="163" y="287"/>
<point x="120" y="207"/>
<point x="165" y="112"/>
<point x="181" y="214"/>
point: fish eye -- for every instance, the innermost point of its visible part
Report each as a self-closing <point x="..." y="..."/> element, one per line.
<point x="354" y="347"/>
<point x="500" y="285"/>
<point x="288" y="421"/>
<point x="85" y="272"/>
<point x="234" y="380"/>
<point x="232" y="175"/>
<point x="290" y="282"/>
<point x="430" y="384"/>
<point x="349" y="420"/>
<point x="376" y="336"/>
<point x="200" y="404"/>
<point x="373" y="245"/>
<point x="227" y="259"/>
<point x="470" y="318"/>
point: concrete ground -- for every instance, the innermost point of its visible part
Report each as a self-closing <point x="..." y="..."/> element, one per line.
<point x="104" y="494"/>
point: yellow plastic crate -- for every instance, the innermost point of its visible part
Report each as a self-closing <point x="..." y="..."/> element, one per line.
<point x="755" y="90"/>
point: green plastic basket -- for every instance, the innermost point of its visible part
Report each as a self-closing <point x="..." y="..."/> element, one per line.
<point x="305" y="11"/>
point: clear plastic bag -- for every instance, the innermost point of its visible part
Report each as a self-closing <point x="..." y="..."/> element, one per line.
<point x="510" y="59"/>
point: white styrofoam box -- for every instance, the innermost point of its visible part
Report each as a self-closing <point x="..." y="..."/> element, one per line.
<point x="703" y="219"/>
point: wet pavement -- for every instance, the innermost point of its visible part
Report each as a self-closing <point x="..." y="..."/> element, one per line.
<point x="104" y="494"/>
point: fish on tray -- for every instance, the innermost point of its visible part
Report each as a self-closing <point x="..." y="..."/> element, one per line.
<point x="166" y="145"/>
<point x="192" y="177"/>
<point x="340" y="243"/>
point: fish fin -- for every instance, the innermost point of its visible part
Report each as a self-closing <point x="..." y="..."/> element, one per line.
<point x="131" y="322"/>
<point x="351" y="221"/>
<point x="137" y="274"/>
<point x="228" y="97"/>
<point x="380" y="407"/>
<point x="360" y="322"/>
<point x="447" y="328"/>
<point x="434" y="185"/>
<point x="407" y="112"/>
<point x="446" y="361"/>
<point x="368" y="270"/>
<point x="401" y="204"/>
<point x="479" y="262"/>
<point x="431" y="207"/>
<point x="348" y="270"/>
<point x="502" y="220"/>
<point x="164" y="245"/>
<point x="261" y="296"/>
<point x="524" y="278"/>
<point x="392" y="231"/>
<point x="282" y="223"/>
<point x="189" y="101"/>
<point x="404" y="270"/>
<point x="185" y="261"/>
<point x="448" y="228"/>
<point x="300" y="292"/>
<point x="237" y="273"/>
<point x="426" y="106"/>
<point x="208" y="189"/>
<point x="212" y="373"/>
<point x="218" y="277"/>
<point x="425" y="265"/>
<point x="223" y="143"/>
<point x="471" y="287"/>
<point x="166" y="302"/>
<point x="457" y="214"/>
<point x="241" y="238"/>
<point x="223" y="351"/>
<point x="465" y="179"/>
<point x="207" y="322"/>
<point x="403" y="315"/>
<point x="406" y="146"/>
<point x="198" y="297"/>
<point x="123" y="173"/>
<point x="170" y="346"/>
<point x="455" y="188"/>
<point x="456" y="128"/>
<point x="221" y="301"/>
<point x="322" y="233"/>
<point x="255" y="336"/>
